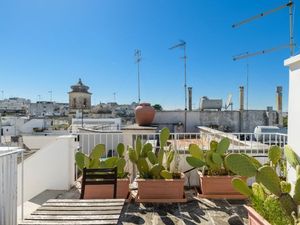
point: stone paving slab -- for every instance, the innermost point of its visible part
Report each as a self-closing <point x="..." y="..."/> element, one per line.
<point x="215" y="212"/>
<point x="195" y="211"/>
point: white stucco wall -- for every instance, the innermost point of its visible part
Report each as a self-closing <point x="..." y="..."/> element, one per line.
<point x="38" y="142"/>
<point x="52" y="167"/>
<point x="294" y="108"/>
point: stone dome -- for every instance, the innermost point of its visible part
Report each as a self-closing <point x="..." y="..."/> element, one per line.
<point x="80" y="87"/>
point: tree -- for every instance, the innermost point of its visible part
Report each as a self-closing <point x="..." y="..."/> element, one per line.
<point x="157" y="107"/>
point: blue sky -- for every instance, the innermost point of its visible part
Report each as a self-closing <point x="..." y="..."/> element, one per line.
<point x="48" y="45"/>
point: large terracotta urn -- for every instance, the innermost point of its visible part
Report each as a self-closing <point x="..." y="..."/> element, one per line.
<point x="144" y="114"/>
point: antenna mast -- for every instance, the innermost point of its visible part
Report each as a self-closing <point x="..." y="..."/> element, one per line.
<point x="182" y="44"/>
<point x="138" y="58"/>
<point x="291" y="45"/>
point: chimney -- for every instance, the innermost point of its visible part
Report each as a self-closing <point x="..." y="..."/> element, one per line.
<point x="190" y="98"/>
<point x="241" y="98"/>
<point x="279" y="99"/>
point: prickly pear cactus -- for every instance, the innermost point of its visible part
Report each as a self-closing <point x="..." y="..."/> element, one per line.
<point x="241" y="165"/>
<point x="152" y="165"/>
<point x="291" y="156"/>
<point x="241" y="186"/>
<point x="93" y="160"/>
<point x="274" y="154"/>
<point x="212" y="160"/>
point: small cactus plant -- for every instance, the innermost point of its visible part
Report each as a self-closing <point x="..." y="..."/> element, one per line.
<point x="268" y="180"/>
<point x="211" y="160"/>
<point x="153" y="165"/>
<point x="93" y="160"/>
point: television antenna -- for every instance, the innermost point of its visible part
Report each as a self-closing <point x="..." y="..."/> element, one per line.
<point x="138" y="58"/>
<point x="114" y="96"/>
<point x="182" y="44"/>
<point x="291" y="45"/>
<point x="229" y="102"/>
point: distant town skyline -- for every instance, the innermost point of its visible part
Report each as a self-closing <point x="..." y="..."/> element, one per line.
<point x="46" y="46"/>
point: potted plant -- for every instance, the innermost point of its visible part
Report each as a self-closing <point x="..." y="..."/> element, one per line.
<point x="215" y="178"/>
<point x="271" y="199"/>
<point x="156" y="173"/>
<point x="94" y="161"/>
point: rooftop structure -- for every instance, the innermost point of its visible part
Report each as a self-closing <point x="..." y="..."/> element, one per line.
<point x="79" y="98"/>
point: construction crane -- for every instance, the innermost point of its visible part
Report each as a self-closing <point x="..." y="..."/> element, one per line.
<point x="291" y="45"/>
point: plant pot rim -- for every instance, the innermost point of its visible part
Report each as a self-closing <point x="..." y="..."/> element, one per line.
<point x="158" y="180"/>
<point x="123" y="179"/>
<point x="253" y="211"/>
<point x="216" y="176"/>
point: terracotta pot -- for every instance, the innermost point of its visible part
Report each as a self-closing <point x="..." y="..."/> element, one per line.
<point x="144" y="114"/>
<point x="254" y="218"/>
<point x="217" y="185"/>
<point x="161" y="188"/>
<point x="106" y="191"/>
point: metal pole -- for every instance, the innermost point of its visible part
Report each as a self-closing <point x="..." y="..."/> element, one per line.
<point x="247" y="86"/>
<point x="139" y="87"/>
<point x="81" y="116"/>
<point x="0" y="129"/>
<point x="291" y="28"/>
<point x="185" y="90"/>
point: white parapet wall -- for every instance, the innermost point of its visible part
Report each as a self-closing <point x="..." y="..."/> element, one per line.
<point x="50" y="168"/>
<point x="294" y="108"/>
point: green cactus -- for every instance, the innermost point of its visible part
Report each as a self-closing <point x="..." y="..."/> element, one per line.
<point x="291" y="156"/>
<point x="212" y="160"/>
<point x="267" y="176"/>
<point x="296" y="195"/>
<point x="93" y="160"/>
<point x="274" y="155"/>
<point x="241" y="165"/>
<point x="269" y="183"/>
<point x="241" y="186"/>
<point x="285" y="186"/>
<point x="150" y="164"/>
<point x="258" y="191"/>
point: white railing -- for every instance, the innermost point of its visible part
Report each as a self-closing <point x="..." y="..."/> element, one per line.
<point x="8" y="185"/>
<point x="250" y="143"/>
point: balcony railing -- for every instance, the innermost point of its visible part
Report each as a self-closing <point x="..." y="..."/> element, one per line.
<point x="256" y="145"/>
<point x="8" y="185"/>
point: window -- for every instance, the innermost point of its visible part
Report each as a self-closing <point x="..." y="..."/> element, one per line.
<point x="74" y="102"/>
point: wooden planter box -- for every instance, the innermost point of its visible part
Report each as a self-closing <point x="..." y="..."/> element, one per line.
<point x="106" y="191"/>
<point x="161" y="190"/>
<point x="254" y="218"/>
<point x="218" y="187"/>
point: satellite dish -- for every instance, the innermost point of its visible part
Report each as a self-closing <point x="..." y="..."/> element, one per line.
<point x="229" y="101"/>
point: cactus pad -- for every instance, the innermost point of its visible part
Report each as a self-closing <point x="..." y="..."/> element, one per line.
<point x="241" y="186"/>
<point x="195" y="151"/>
<point x="240" y="165"/>
<point x="275" y="154"/>
<point x="164" y="136"/>
<point x="296" y="196"/>
<point x="166" y="174"/>
<point x="97" y="151"/>
<point x="291" y="156"/>
<point x="121" y="150"/>
<point x="269" y="178"/>
<point x="195" y="162"/>
<point x="223" y="146"/>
